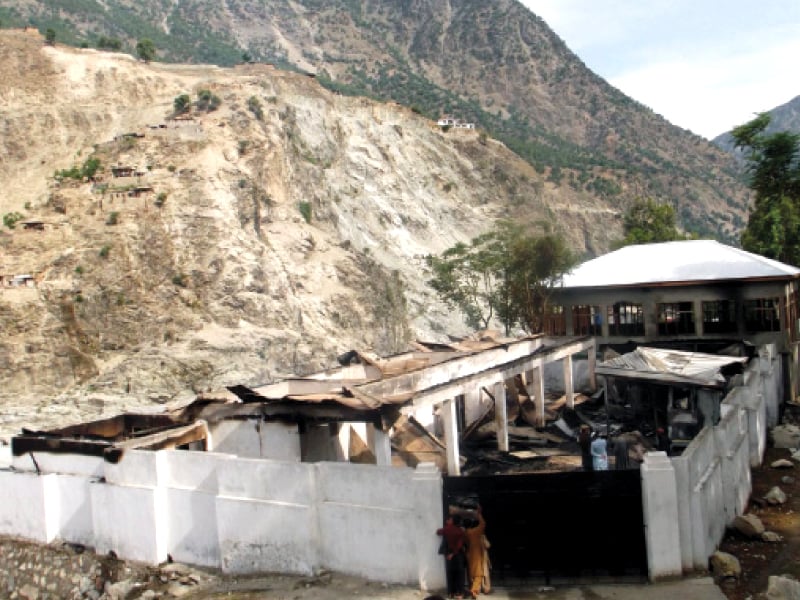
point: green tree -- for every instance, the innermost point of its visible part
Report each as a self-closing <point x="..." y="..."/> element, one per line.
<point x="146" y="49"/>
<point x="208" y="101"/>
<point x="648" y="222"/>
<point x="182" y="103"/>
<point x="773" y="228"/>
<point x="506" y="273"/>
<point x="50" y="36"/>
<point x="109" y="43"/>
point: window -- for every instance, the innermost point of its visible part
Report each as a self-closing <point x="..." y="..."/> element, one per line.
<point x="625" y="319"/>
<point x="675" y="318"/>
<point x="719" y="316"/>
<point x="587" y="320"/>
<point x="555" y="322"/>
<point x="762" y="314"/>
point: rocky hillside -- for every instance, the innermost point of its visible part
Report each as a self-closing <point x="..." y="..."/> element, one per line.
<point x="492" y="63"/>
<point x="253" y="241"/>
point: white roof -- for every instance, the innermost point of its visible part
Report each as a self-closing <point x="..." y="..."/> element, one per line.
<point x="690" y="260"/>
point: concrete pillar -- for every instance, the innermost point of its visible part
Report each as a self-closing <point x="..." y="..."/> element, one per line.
<point x="380" y="445"/>
<point x="660" y="506"/>
<point x="473" y="405"/>
<point x="569" y="386"/>
<point x="428" y="517"/>
<point x="537" y="393"/>
<point x="501" y="416"/>
<point x="592" y="360"/>
<point x="697" y="311"/>
<point x="451" y="437"/>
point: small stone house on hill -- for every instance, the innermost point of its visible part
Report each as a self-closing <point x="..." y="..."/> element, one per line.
<point x="691" y="294"/>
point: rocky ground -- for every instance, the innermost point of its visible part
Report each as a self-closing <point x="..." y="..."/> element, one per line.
<point x="760" y="559"/>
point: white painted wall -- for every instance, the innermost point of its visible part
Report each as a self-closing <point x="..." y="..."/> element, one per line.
<point x="24" y="510"/>
<point x="712" y="476"/>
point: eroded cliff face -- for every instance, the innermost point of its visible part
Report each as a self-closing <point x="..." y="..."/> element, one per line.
<point x="266" y="237"/>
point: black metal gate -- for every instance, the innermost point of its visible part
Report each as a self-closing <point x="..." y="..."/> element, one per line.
<point x="559" y="527"/>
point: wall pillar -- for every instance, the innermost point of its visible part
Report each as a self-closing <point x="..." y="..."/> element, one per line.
<point x="569" y="385"/>
<point x="697" y="313"/>
<point x="451" y="437"/>
<point x="428" y="516"/>
<point x="660" y="507"/>
<point x="501" y="415"/>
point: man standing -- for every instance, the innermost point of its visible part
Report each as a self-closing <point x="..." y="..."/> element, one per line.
<point x="455" y="539"/>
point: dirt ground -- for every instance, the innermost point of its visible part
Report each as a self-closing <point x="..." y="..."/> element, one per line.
<point x="760" y="559"/>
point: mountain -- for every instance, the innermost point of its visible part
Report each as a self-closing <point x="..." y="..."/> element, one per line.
<point x="271" y="228"/>
<point x="492" y="63"/>
<point x="785" y="117"/>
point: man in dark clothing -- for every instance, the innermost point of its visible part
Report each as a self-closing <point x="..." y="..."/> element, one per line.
<point x="453" y="534"/>
<point x="585" y="442"/>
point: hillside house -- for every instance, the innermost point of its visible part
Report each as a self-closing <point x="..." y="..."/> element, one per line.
<point x="33" y="225"/>
<point x="453" y="123"/>
<point x="123" y="171"/>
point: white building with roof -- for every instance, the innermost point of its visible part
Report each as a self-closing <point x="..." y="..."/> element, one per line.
<point x="690" y="294"/>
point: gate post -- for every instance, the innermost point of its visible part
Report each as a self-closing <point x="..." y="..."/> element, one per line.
<point x="661" y="521"/>
<point x="427" y="483"/>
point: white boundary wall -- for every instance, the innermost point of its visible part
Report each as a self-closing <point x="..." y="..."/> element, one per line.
<point x="243" y="515"/>
<point x="711" y="479"/>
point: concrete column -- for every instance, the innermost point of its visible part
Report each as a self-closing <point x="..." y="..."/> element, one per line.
<point x="592" y="360"/>
<point x="501" y="416"/>
<point x="660" y="506"/>
<point x="428" y="517"/>
<point x="380" y="445"/>
<point x="451" y="437"/>
<point x="473" y="405"/>
<point x="697" y="310"/>
<point x="537" y="393"/>
<point x="569" y="386"/>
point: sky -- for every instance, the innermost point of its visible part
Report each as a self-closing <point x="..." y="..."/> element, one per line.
<point x="704" y="65"/>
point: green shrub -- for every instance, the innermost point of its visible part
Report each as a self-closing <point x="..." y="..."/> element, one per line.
<point x="79" y="270"/>
<point x="11" y="219"/>
<point x="208" y="101"/>
<point x="180" y="280"/>
<point x="305" y="210"/>
<point x="254" y="106"/>
<point x="113" y="218"/>
<point x="104" y="251"/>
<point x="182" y="103"/>
<point x="160" y="199"/>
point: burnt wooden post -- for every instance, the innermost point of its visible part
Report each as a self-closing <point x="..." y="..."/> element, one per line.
<point x="592" y="356"/>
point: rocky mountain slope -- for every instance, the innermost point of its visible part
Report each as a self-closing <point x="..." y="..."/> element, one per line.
<point x="785" y="117"/>
<point x="266" y="236"/>
<point x="492" y="63"/>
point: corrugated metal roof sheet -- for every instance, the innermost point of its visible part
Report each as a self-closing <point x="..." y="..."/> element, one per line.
<point x="685" y="261"/>
<point x="670" y="365"/>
